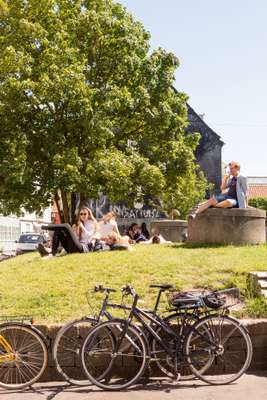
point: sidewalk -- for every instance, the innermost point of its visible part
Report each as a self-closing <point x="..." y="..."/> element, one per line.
<point x="252" y="387"/>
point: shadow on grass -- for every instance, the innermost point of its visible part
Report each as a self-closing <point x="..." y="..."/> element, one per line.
<point x="200" y="245"/>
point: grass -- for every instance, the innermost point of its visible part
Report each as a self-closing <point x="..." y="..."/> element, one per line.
<point x="54" y="290"/>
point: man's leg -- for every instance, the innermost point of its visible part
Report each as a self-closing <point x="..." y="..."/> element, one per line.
<point x="207" y="204"/>
<point x="224" y="204"/>
<point x="63" y="234"/>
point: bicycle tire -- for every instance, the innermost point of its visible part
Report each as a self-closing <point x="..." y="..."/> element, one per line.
<point x="67" y="347"/>
<point x="27" y="361"/>
<point x="230" y="349"/>
<point x="163" y="361"/>
<point x="117" y="368"/>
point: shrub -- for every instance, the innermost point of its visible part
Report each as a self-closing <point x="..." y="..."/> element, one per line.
<point x="258" y="202"/>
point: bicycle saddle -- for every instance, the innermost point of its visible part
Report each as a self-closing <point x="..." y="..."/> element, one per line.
<point x="164" y="286"/>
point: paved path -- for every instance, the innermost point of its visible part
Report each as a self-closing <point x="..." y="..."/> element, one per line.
<point x="249" y="387"/>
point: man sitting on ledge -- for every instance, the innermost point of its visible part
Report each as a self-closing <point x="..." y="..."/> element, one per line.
<point x="234" y="192"/>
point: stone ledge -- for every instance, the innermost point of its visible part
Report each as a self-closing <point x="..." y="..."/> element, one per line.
<point x="256" y="328"/>
<point x="173" y="230"/>
<point x="228" y="226"/>
<point x="234" y="212"/>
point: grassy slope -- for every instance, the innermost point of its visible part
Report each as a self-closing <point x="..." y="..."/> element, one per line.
<point x="54" y="290"/>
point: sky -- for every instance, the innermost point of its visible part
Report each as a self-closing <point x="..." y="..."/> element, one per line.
<point x="222" y="48"/>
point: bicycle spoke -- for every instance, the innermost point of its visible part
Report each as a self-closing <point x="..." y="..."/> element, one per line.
<point x="228" y="355"/>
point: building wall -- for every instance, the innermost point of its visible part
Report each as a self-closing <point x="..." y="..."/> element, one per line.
<point x="9" y="232"/>
<point x="11" y="227"/>
<point x="209" y="150"/>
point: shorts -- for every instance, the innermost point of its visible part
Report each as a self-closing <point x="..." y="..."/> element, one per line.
<point x="222" y="197"/>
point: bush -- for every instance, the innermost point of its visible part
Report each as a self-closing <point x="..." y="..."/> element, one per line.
<point x="258" y="202"/>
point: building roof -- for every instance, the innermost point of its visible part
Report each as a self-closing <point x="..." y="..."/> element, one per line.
<point x="257" y="186"/>
<point x="199" y="124"/>
<point x="9" y="221"/>
<point x="257" y="190"/>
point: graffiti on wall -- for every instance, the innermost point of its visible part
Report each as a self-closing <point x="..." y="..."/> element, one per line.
<point x="103" y="205"/>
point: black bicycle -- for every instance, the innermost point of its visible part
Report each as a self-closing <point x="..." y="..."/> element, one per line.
<point x="214" y="347"/>
<point x="69" y="339"/>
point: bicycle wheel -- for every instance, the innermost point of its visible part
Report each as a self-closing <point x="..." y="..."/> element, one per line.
<point x="170" y="366"/>
<point x="23" y="356"/>
<point x="222" y="342"/>
<point x="67" y="347"/>
<point x="113" y="363"/>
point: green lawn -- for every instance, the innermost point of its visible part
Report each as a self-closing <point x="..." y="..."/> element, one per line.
<point x="54" y="290"/>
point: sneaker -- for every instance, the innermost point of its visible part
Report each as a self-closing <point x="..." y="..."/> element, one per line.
<point x="61" y="253"/>
<point x="192" y="215"/>
<point x="49" y="257"/>
<point x="42" y="250"/>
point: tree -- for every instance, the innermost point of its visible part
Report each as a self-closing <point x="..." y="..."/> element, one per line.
<point x="86" y="108"/>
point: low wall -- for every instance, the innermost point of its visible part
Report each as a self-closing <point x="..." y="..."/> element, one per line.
<point x="228" y="226"/>
<point x="257" y="330"/>
<point x="173" y="230"/>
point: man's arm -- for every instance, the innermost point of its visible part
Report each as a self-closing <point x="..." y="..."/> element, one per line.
<point x="224" y="182"/>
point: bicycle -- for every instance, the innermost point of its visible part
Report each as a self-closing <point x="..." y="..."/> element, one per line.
<point x="23" y="353"/>
<point x="69" y="339"/>
<point x="115" y="345"/>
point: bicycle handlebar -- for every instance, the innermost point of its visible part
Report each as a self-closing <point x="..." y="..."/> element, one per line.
<point x="127" y="290"/>
<point x="102" y="289"/>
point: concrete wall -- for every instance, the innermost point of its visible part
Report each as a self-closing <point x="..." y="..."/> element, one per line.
<point x="228" y="226"/>
<point x="173" y="230"/>
<point x="256" y="328"/>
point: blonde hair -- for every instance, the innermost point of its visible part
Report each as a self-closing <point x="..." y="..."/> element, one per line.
<point x="234" y="164"/>
<point x="90" y="216"/>
<point x="107" y="217"/>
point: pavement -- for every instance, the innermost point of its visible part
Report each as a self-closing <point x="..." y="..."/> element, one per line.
<point x="248" y="387"/>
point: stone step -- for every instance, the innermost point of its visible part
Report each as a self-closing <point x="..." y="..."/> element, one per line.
<point x="264" y="293"/>
<point x="260" y="274"/>
<point x="262" y="283"/>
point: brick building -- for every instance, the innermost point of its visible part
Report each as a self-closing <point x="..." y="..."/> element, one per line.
<point x="257" y="186"/>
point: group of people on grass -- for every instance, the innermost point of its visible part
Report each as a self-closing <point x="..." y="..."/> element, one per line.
<point x="89" y="235"/>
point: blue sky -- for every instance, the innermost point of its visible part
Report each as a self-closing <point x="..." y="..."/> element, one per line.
<point x="222" y="47"/>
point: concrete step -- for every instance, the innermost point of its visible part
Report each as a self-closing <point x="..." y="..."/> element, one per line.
<point x="260" y="274"/>
<point x="262" y="283"/>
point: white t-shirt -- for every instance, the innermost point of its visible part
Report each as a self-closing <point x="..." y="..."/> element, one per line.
<point x="87" y="233"/>
<point x="106" y="229"/>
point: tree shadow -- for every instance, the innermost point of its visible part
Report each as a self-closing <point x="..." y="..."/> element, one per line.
<point x="200" y="245"/>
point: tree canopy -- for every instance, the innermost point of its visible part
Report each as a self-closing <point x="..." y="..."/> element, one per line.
<point x="86" y="107"/>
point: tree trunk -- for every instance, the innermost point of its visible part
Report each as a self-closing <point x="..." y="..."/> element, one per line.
<point x="74" y="203"/>
<point x="83" y="199"/>
<point x="56" y="199"/>
<point x="66" y="210"/>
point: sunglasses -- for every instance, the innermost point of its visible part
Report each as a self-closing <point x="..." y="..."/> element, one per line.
<point x="83" y="214"/>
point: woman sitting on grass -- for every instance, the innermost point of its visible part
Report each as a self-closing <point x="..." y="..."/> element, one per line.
<point x="73" y="240"/>
<point x="108" y="224"/>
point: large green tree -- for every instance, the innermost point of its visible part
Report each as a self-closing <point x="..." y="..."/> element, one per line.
<point x="86" y="107"/>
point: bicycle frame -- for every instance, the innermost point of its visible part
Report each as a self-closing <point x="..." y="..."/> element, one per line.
<point x="139" y="315"/>
<point x="10" y="356"/>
